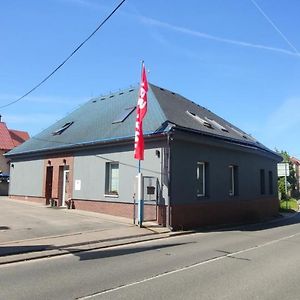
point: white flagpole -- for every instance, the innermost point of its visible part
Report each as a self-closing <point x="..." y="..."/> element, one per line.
<point x="140" y="185"/>
<point x="140" y="196"/>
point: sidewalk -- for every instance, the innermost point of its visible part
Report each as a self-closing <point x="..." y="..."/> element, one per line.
<point x="31" y="231"/>
<point x="23" y="250"/>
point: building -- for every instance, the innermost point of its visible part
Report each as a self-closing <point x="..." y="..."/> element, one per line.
<point x="199" y="169"/>
<point x="9" y="139"/>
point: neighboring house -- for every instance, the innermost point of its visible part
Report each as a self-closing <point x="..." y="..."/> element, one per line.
<point x="296" y="165"/>
<point x="9" y="139"/>
<point x="200" y="169"/>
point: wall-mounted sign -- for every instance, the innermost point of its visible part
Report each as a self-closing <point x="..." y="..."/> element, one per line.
<point x="150" y="190"/>
<point x="77" y="185"/>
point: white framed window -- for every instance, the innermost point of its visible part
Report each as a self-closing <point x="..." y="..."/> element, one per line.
<point x="271" y="190"/>
<point x="62" y="129"/>
<point x="199" y="119"/>
<point x="201" y="179"/>
<point x="216" y="124"/>
<point x="232" y="180"/>
<point x="112" y="179"/>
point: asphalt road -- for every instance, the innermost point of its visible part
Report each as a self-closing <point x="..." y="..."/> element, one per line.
<point x="255" y="262"/>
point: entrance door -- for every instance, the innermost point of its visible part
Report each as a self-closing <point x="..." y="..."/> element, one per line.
<point x="48" y="187"/>
<point x="65" y="187"/>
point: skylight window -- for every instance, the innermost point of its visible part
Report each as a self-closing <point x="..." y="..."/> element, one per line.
<point x="200" y="120"/>
<point x="191" y="113"/>
<point x="62" y="129"/>
<point x="239" y="132"/>
<point x="124" y="114"/>
<point x="216" y="124"/>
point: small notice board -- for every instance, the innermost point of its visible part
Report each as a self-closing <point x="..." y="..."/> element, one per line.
<point x="283" y="169"/>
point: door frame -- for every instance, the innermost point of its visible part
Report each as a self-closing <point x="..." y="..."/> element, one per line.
<point x="64" y="193"/>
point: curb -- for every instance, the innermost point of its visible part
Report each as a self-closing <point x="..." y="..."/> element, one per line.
<point x="88" y="246"/>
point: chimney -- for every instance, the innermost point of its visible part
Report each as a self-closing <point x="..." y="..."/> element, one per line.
<point x="0" y="118"/>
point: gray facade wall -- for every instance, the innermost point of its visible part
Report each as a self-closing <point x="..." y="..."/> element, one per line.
<point x="218" y="156"/>
<point x="26" y="178"/>
<point x="90" y="170"/>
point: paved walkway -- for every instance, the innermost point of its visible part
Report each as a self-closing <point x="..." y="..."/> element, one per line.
<point x="31" y="231"/>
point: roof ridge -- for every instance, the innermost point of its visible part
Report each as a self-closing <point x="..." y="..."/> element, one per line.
<point x="181" y="97"/>
<point x="158" y="103"/>
<point x="17" y="130"/>
<point x="114" y="93"/>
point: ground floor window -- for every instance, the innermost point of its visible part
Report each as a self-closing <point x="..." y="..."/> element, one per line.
<point x="201" y="174"/>
<point x="262" y="182"/>
<point x="112" y="178"/>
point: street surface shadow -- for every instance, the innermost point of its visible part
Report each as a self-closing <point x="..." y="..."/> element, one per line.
<point x="106" y="253"/>
<point x="13" y="250"/>
<point x="277" y="221"/>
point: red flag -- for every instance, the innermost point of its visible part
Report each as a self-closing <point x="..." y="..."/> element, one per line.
<point x="141" y="110"/>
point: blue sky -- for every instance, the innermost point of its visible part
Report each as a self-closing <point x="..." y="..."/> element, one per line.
<point x="222" y="54"/>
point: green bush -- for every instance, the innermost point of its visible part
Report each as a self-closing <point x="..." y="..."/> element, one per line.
<point x="288" y="205"/>
<point x="281" y="188"/>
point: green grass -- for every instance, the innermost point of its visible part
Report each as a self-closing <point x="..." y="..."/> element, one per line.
<point x="288" y="205"/>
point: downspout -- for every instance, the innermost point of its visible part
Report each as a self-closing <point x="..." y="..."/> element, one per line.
<point x="169" y="210"/>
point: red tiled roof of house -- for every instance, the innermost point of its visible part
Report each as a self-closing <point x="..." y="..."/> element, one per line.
<point x="295" y="160"/>
<point x="6" y="142"/>
<point x="9" y="138"/>
<point x="18" y="136"/>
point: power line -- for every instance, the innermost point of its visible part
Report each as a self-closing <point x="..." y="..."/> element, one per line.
<point x="274" y="26"/>
<point x="68" y="57"/>
<point x="99" y="156"/>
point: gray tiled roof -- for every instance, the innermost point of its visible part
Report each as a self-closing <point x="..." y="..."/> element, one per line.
<point x="93" y="122"/>
<point x="176" y="107"/>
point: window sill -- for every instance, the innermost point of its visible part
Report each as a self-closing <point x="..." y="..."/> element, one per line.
<point x="233" y="196"/>
<point x="202" y="197"/>
<point x="111" y="196"/>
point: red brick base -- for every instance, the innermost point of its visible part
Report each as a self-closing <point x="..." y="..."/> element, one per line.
<point x="183" y="216"/>
<point x="114" y="208"/>
<point x="225" y="212"/>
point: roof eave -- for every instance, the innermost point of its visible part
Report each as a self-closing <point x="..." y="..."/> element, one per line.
<point x="84" y="145"/>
